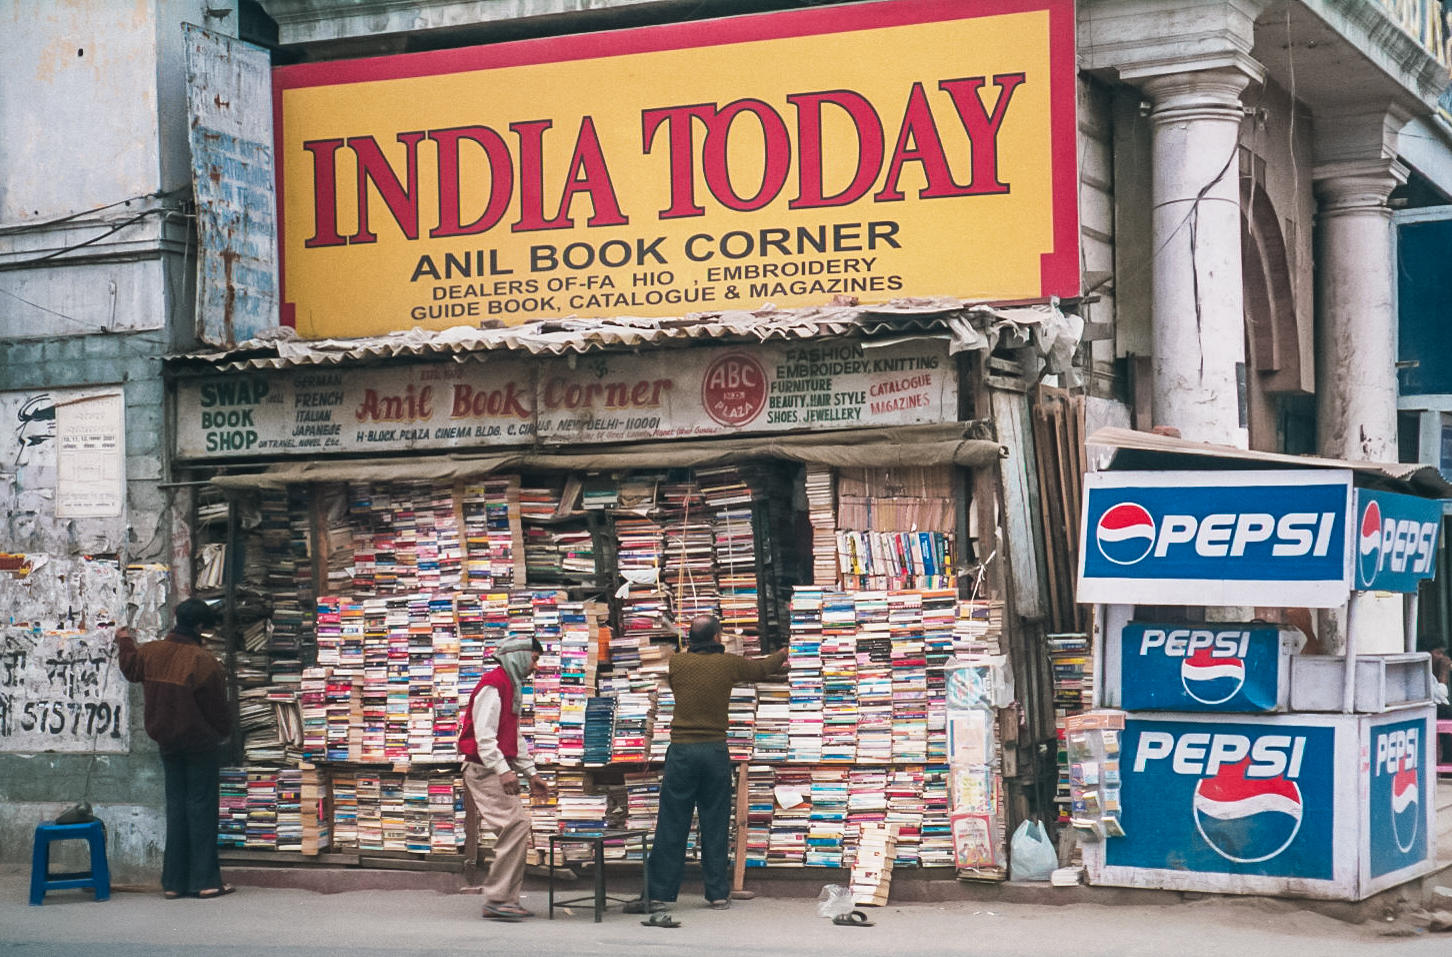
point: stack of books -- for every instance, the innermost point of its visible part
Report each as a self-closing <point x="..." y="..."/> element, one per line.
<point x="905" y="809"/>
<point x="791" y="818"/>
<point x="729" y="498"/>
<point x="760" y="802"/>
<point x="599" y="730"/>
<point x="872" y="870"/>
<point x="771" y="740"/>
<point x="909" y="678"/>
<point x="874" y="679"/>
<point x="839" y="679"/>
<point x="689" y="576"/>
<point x="1072" y="662"/>
<point x="741" y="722"/>
<point x="232" y="808"/>
<point x="804" y="658"/>
<point x="822" y="514"/>
<point x="828" y="818"/>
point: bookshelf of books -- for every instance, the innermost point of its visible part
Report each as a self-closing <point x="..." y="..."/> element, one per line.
<point x="417" y="581"/>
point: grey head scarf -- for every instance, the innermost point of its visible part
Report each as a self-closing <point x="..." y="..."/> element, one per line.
<point x="515" y="655"/>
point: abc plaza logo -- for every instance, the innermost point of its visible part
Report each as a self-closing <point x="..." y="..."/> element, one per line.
<point x="733" y="390"/>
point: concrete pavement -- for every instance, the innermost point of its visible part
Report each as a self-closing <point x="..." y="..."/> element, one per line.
<point x="281" y="921"/>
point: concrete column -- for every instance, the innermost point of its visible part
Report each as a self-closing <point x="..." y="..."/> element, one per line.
<point x="1356" y="334"/>
<point x="1197" y="317"/>
<point x="1356" y="376"/>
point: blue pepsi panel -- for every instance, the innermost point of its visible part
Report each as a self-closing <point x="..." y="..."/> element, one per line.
<point x="1226" y="798"/>
<point x="1396" y="540"/>
<point x="1399" y="795"/>
<point x="1204" y="666"/>
<point x="1273" y="533"/>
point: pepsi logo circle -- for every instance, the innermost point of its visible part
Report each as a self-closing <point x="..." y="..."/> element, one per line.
<point x="1211" y="680"/>
<point x="1247" y="820"/>
<point x="1405" y="807"/>
<point x="1368" y="551"/>
<point x="1125" y="533"/>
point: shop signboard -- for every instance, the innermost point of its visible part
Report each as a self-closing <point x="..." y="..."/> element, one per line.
<point x="1279" y="537"/>
<point x="1227" y="797"/>
<point x="1397" y="794"/>
<point x="1396" y="540"/>
<point x="590" y="399"/>
<point x="1333" y="806"/>
<point x="906" y="148"/>
<point x="1203" y="666"/>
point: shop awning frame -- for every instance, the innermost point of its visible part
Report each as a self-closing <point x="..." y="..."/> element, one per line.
<point x="1150" y="450"/>
<point x="904" y="446"/>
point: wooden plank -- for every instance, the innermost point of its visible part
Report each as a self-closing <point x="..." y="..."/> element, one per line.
<point x="1044" y="463"/>
<point x="1025" y="557"/>
<point x="738" y="868"/>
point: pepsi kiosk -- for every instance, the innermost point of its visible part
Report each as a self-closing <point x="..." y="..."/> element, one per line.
<point x="1223" y="787"/>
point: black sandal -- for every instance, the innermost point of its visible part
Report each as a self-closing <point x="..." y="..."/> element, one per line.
<point x="852" y="919"/>
<point x="213" y="892"/>
<point x="660" y="920"/>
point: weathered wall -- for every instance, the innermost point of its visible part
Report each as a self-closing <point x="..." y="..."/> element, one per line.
<point x="124" y="788"/>
<point x="93" y="128"/>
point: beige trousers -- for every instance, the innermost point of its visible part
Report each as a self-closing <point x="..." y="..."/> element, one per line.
<point x="504" y="815"/>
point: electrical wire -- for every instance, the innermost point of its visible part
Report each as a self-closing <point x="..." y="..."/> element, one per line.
<point x="45" y="224"/>
<point x="10" y="266"/>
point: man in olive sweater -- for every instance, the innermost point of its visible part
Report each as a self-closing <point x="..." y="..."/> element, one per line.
<point x="698" y="767"/>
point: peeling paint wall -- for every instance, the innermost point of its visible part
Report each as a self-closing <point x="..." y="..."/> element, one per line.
<point x="93" y="151"/>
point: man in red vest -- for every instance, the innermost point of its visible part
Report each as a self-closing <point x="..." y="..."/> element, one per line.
<point x="495" y="753"/>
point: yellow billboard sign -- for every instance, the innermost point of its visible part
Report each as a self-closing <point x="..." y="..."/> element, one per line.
<point x="874" y="151"/>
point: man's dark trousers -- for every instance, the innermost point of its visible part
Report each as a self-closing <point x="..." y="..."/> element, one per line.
<point x="697" y="775"/>
<point x="190" y="863"/>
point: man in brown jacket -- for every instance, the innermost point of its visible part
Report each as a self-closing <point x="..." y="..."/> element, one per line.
<point x="187" y="716"/>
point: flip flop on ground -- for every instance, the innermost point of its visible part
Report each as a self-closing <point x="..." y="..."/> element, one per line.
<point x="518" y="910"/>
<point x="212" y="892"/>
<point x="660" y="920"/>
<point x="493" y="912"/>
<point x="852" y="919"/>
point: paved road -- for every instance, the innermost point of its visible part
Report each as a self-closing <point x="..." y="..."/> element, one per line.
<point x="280" y="923"/>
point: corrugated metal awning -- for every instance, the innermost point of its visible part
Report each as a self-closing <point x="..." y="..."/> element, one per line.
<point x="916" y="445"/>
<point x="1150" y="450"/>
<point x="969" y="325"/>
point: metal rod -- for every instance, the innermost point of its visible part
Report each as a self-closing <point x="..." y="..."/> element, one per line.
<point x="1348" y="685"/>
<point x="232" y="575"/>
<point x="1411" y="606"/>
<point x="1096" y="637"/>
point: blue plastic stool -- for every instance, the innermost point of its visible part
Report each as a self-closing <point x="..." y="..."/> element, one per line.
<point x="98" y="878"/>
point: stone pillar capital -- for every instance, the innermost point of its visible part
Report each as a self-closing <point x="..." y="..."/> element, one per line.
<point x="1357" y="186"/>
<point x="1211" y="93"/>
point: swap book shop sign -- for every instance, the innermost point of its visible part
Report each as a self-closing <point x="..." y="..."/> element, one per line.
<point x="512" y="401"/>
<point x="880" y="150"/>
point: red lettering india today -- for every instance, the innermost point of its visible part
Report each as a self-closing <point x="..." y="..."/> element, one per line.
<point x="672" y="131"/>
<point x="414" y="405"/>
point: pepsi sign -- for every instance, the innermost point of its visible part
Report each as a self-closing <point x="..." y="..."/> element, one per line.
<point x="1227" y="798"/>
<point x="1216" y="538"/>
<point x="1207" y="666"/>
<point x="1396" y="540"/>
<point x="1398" y="795"/>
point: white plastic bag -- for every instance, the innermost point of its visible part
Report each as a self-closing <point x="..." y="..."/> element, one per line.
<point x="834" y="900"/>
<point x="1032" y="853"/>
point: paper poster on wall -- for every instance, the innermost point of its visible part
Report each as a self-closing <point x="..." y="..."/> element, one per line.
<point x="91" y="457"/>
<point x="60" y="688"/>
